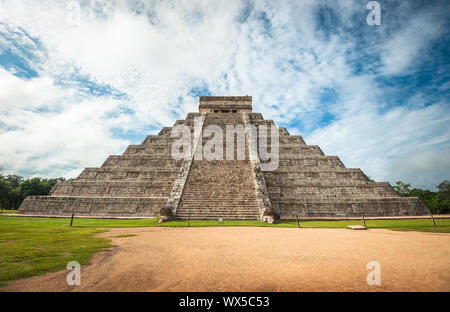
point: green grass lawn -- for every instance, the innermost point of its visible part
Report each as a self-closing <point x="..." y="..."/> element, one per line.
<point x="443" y="225"/>
<point x="9" y="212"/>
<point x="34" y="246"/>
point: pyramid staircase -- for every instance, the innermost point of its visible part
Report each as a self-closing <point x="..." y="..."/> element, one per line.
<point x="220" y="188"/>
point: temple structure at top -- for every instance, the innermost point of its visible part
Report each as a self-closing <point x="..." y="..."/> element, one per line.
<point x="146" y="178"/>
<point x="225" y="104"/>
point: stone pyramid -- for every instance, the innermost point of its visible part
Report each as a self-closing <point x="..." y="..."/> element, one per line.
<point x="146" y="178"/>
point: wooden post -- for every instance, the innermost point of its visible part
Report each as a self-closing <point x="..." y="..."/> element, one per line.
<point x="432" y="218"/>
<point x="362" y="215"/>
<point x="298" y="222"/>
<point x="71" y="219"/>
<point x="189" y="221"/>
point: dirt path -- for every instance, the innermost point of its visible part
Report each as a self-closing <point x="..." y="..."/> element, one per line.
<point x="259" y="259"/>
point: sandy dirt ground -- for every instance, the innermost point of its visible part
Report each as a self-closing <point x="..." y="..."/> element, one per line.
<point x="260" y="260"/>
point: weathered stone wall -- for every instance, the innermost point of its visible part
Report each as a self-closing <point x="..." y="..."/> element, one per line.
<point x="92" y="206"/>
<point x="308" y="183"/>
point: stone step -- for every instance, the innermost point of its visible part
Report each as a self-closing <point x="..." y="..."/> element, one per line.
<point x="219" y="184"/>
<point x="217" y="204"/>
<point x="209" y="196"/>
<point x="217" y="217"/>
<point x="230" y="164"/>
<point x="216" y="213"/>
<point x="216" y="186"/>
<point x="235" y="208"/>
<point x="204" y="199"/>
<point x="221" y="211"/>
<point x="218" y="200"/>
<point x="223" y="196"/>
<point x="221" y="199"/>
<point x="225" y="210"/>
<point x="220" y="189"/>
<point x="223" y="180"/>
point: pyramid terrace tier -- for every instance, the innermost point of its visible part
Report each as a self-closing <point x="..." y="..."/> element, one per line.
<point x="152" y="188"/>
<point x="308" y="173"/>
<point x="294" y="182"/>
<point x="151" y="149"/>
<point x="92" y="206"/>
<point x="344" y="206"/>
<point x="299" y="189"/>
<point x="311" y="161"/>
<point x="314" y="170"/>
<point x="128" y="174"/>
<point x="150" y="161"/>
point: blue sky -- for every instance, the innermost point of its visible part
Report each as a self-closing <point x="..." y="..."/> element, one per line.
<point x="80" y="80"/>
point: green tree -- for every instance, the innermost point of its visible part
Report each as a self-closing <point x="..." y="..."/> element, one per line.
<point x="14" y="199"/>
<point x="444" y="189"/>
<point x="14" y="189"/>
<point x="14" y="180"/>
<point x="402" y="189"/>
<point x="435" y="201"/>
<point x="35" y="186"/>
<point x="5" y="189"/>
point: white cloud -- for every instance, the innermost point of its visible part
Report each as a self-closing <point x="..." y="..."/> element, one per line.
<point x="402" y="144"/>
<point x="158" y="55"/>
<point x="18" y="93"/>
<point x="35" y="140"/>
<point x="405" y="50"/>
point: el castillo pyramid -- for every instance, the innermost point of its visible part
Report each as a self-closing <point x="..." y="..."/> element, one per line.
<point x="146" y="178"/>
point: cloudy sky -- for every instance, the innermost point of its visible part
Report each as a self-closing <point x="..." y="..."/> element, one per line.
<point x="80" y="80"/>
